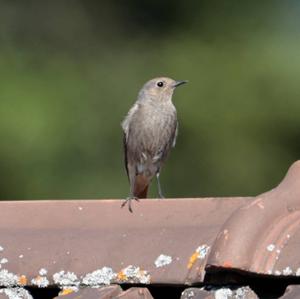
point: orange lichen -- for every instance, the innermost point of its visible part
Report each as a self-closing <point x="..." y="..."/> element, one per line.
<point x="22" y="280"/>
<point x="66" y="292"/>
<point x="38" y="278"/>
<point x="192" y="259"/>
<point x="121" y="276"/>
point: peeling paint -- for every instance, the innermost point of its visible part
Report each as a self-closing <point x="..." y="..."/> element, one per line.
<point x="163" y="260"/>
<point x="298" y="272"/>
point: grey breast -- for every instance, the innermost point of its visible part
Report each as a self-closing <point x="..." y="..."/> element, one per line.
<point x="151" y="133"/>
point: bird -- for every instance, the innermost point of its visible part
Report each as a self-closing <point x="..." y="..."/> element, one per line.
<point x="149" y="132"/>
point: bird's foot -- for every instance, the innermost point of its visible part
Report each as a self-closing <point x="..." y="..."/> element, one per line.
<point x="128" y="200"/>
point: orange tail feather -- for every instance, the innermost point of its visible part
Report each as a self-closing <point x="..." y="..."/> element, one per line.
<point x="141" y="186"/>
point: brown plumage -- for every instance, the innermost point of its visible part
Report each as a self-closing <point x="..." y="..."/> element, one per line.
<point x="150" y="130"/>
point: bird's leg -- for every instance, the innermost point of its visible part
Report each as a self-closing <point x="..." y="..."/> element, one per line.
<point x="128" y="200"/>
<point x="159" y="187"/>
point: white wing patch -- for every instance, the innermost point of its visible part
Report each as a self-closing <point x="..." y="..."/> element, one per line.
<point x="175" y="136"/>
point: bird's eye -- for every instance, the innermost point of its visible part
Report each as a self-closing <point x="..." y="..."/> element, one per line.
<point x="160" y="84"/>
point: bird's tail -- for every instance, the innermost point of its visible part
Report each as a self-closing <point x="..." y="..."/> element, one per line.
<point x="141" y="186"/>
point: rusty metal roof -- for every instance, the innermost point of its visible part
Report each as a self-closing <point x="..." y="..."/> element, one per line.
<point x="78" y="243"/>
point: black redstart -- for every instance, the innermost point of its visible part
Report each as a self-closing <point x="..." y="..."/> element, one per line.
<point x="150" y="130"/>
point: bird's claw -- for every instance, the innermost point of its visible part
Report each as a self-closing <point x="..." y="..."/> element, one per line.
<point x="128" y="200"/>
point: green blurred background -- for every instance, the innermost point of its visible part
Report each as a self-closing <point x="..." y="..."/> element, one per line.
<point x="70" y="70"/>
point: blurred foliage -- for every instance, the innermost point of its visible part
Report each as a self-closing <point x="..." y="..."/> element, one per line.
<point x="71" y="70"/>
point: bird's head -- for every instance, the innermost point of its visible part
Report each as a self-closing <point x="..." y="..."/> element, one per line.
<point x="160" y="89"/>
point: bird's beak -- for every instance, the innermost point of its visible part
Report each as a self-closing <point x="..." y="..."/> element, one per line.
<point x="177" y="83"/>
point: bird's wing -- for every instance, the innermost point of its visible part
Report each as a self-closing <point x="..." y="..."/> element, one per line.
<point x="125" y="127"/>
<point x="125" y="153"/>
<point x="175" y="133"/>
<point x="162" y="155"/>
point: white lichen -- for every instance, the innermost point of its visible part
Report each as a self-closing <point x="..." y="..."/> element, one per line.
<point x="287" y="271"/>
<point x="102" y="276"/>
<point x="131" y="271"/>
<point x="298" y="272"/>
<point x="8" y="279"/>
<point x="40" y="281"/>
<point x="16" y="293"/>
<point x="21" y="256"/>
<point x="144" y="277"/>
<point x="243" y="292"/>
<point x="43" y="271"/>
<point x="271" y="247"/>
<point x="4" y="261"/>
<point x="202" y="251"/>
<point x="277" y="272"/>
<point x="1" y="248"/>
<point x="223" y="293"/>
<point x="188" y="294"/>
<point x="135" y="274"/>
<point x="163" y="260"/>
<point x="63" y="278"/>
